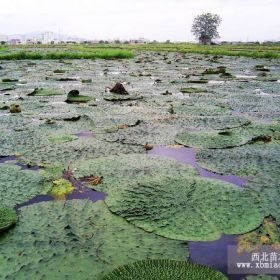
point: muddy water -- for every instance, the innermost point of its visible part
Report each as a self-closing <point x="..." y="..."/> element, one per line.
<point x="187" y="156"/>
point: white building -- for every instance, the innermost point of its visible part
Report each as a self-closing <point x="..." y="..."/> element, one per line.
<point x="47" y="37"/>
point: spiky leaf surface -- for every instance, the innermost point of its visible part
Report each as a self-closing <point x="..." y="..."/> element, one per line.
<point x="164" y="270"/>
<point x="76" y="240"/>
<point x="168" y="198"/>
<point x="18" y="186"/>
<point x="8" y="217"/>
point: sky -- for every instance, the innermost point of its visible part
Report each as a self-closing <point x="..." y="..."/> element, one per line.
<point x="152" y="19"/>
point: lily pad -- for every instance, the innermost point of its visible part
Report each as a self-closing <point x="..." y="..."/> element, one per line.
<point x="51" y="237"/>
<point x="8" y="218"/>
<point x="248" y="160"/>
<point x="193" y="90"/>
<point x="202" y="110"/>
<point x="260" y="160"/>
<point x="197" y="81"/>
<point x="62" y="138"/>
<point x="6" y="87"/>
<point x="267" y="186"/>
<point x="18" y="186"/>
<point x="164" y="270"/>
<point x="75" y="97"/>
<point x="121" y="97"/>
<point x="168" y="198"/>
<point x="211" y="139"/>
<point x="214" y="139"/>
<point x="126" y="167"/>
<point x="46" y="92"/>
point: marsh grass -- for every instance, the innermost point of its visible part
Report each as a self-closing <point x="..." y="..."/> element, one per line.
<point x="120" y="51"/>
<point x="41" y="54"/>
<point x="246" y="50"/>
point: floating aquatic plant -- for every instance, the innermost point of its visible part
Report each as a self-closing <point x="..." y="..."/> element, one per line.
<point x="54" y="234"/>
<point x="75" y="97"/>
<point x="170" y="199"/>
<point x="61" y="187"/>
<point x="8" y="218"/>
<point x="267" y="234"/>
<point x="164" y="270"/>
<point x="46" y="92"/>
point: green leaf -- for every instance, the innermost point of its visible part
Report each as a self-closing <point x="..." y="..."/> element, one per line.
<point x="163" y="196"/>
<point x="164" y="270"/>
<point x="8" y="217"/>
<point x="77" y="239"/>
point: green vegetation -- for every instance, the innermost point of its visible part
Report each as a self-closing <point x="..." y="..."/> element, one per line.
<point x="221" y="139"/>
<point x="199" y="110"/>
<point x="108" y="51"/>
<point x="248" y="160"/>
<point x="164" y="270"/>
<point x="153" y="193"/>
<point x="205" y="27"/>
<point x="18" y="186"/>
<point x="258" y="160"/>
<point x="255" y="51"/>
<point x="61" y="188"/>
<point x="213" y="139"/>
<point x="193" y="90"/>
<point x="51" y="237"/>
<point x="69" y="53"/>
<point x="170" y="199"/>
<point x="46" y="92"/>
<point x="8" y="217"/>
<point x="267" y="234"/>
<point x="62" y="138"/>
<point x="74" y="97"/>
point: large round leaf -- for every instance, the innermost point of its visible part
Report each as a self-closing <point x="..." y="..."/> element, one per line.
<point x="18" y="186"/>
<point x="8" y="217"/>
<point x="76" y="240"/>
<point x="164" y="270"/>
<point x="163" y="196"/>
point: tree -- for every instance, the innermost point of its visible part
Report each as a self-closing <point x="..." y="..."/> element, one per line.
<point x="205" y="27"/>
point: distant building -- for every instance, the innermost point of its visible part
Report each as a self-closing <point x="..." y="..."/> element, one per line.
<point x="139" y="41"/>
<point x="4" y="38"/>
<point x="30" y="41"/>
<point x="15" y="42"/>
<point x="47" y="37"/>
